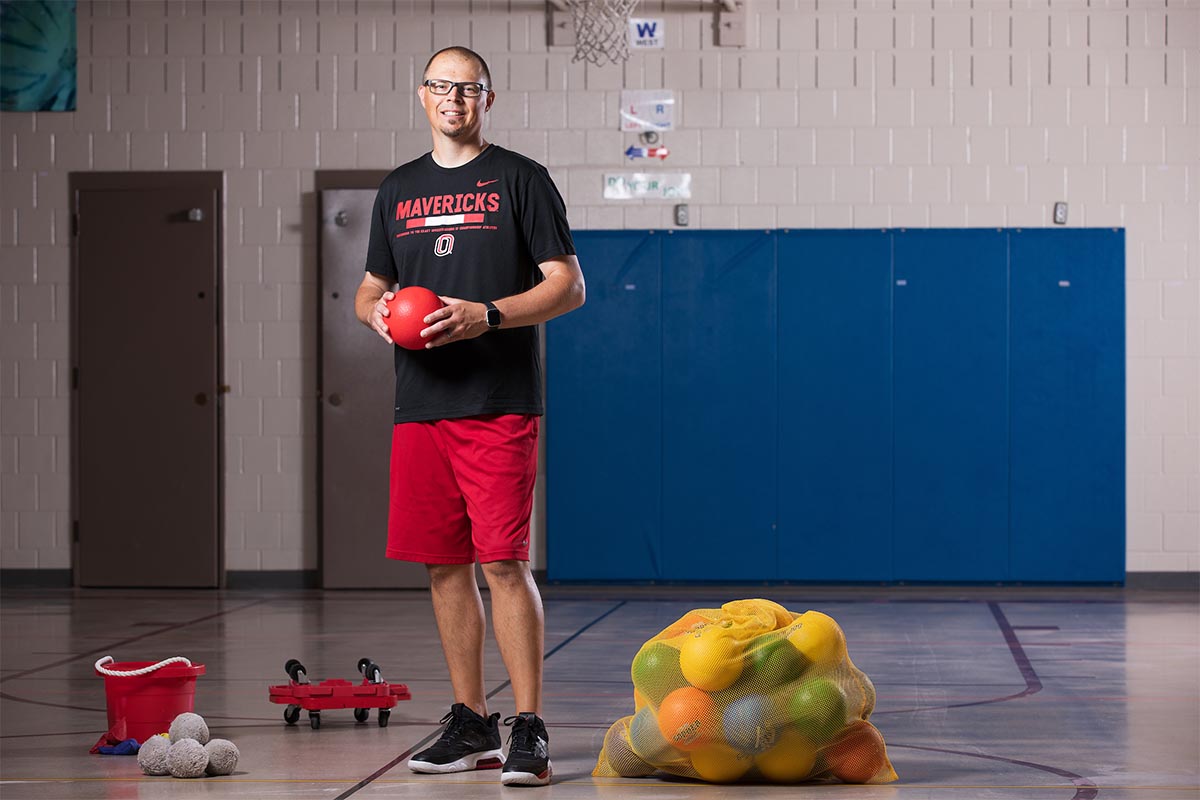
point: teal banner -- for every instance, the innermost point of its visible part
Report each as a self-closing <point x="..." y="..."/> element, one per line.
<point x="37" y="55"/>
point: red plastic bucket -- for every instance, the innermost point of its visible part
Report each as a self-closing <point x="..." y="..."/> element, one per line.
<point x="146" y="704"/>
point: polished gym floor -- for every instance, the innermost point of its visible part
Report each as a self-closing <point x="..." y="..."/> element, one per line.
<point x="983" y="692"/>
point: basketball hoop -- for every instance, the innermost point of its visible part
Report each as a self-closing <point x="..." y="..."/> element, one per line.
<point x="601" y="30"/>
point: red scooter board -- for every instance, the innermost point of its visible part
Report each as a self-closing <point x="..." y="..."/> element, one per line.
<point x="373" y="692"/>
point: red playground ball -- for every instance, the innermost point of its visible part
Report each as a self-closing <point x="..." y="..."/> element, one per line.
<point x="406" y="315"/>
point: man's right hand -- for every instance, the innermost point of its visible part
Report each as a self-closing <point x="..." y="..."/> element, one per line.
<point x="378" y="314"/>
<point x="370" y="303"/>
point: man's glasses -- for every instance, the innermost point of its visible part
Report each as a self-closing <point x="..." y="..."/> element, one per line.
<point x="467" y="89"/>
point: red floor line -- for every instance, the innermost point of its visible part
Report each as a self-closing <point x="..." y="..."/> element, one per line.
<point x="1085" y="789"/>
<point x="1033" y="684"/>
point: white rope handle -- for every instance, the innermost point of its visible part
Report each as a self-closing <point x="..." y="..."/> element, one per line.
<point x="134" y="672"/>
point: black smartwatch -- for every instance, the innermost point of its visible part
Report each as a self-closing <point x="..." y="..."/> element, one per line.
<point x="493" y="315"/>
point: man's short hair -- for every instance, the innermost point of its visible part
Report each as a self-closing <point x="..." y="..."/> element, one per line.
<point x="462" y="52"/>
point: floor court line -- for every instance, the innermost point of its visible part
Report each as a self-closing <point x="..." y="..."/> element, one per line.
<point x="978" y="646"/>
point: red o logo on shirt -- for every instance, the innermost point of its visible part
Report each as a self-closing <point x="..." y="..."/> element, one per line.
<point x="444" y="245"/>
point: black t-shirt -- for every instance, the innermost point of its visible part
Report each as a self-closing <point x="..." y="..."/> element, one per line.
<point x="476" y="232"/>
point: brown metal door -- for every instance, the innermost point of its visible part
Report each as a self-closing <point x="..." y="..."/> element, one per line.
<point x="147" y="438"/>
<point x="357" y="390"/>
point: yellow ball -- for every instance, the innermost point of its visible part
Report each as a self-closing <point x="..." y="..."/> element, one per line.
<point x="819" y="639"/>
<point x="790" y="760"/>
<point x="720" y="763"/>
<point x="710" y="659"/>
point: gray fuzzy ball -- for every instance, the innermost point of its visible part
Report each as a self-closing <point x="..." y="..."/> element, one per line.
<point x="187" y="758"/>
<point x="189" y="726"/>
<point x="152" y="756"/>
<point x="222" y="757"/>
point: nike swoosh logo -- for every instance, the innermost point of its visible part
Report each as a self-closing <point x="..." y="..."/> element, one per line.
<point x="481" y="184"/>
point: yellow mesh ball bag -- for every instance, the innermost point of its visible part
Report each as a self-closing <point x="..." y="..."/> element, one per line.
<point x="748" y="691"/>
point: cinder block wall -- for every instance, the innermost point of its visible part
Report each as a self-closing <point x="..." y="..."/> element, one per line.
<point x="838" y="113"/>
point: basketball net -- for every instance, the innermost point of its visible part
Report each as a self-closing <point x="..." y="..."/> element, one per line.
<point x="601" y="30"/>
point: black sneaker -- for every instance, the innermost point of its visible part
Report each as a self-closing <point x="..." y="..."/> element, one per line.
<point x="469" y="742"/>
<point x="528" y="762"/>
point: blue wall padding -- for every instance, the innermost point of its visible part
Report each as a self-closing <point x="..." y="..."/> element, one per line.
<point x="1068" y="405"/>
<point x="931" y="405"/>
<point x="835" y="406"/>
<point x="719" y="427"/>
<point x="951" y="405"/>
<point x="607" y="433"/>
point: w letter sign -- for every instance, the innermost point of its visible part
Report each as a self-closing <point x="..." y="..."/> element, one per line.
<point x="645" y="33"/>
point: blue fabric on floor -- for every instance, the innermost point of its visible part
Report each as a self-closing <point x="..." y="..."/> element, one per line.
<point x="129" y="747"/>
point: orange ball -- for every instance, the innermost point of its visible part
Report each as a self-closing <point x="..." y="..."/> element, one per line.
<point x="688" y="718"/>
<point x="858" y="755"/>
<point x="688" y="623"/>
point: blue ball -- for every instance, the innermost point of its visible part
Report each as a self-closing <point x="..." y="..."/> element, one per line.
<point x="750" y="724"/>
<point x="647" y="741"/>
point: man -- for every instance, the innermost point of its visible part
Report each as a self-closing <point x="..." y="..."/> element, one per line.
<point x="479" y="225"/>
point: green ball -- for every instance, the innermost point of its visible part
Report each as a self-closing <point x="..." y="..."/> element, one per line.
<point x="818" y="707"/>
<point x="773" y="664"/>
<point x="656" y="671"/>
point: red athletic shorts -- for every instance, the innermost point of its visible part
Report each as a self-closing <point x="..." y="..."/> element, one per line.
<point x="462" y="489"/>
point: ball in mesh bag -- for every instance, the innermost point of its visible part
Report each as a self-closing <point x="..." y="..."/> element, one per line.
<point x="819" y="639"/>
<point x="688" y="718"/>
<point x="772" y="662"/>
<point x="750" y="723"/>
<point x="818" y="707"/>
<point x="656" y="672"/>
<point x="711" y="659"/>
<point x="647" y="741"/>
<point x="868" y="695"/>
<point x="688" y="623"/>
<point x="858" y="754"/>
<point x="720" y="763"/>
<point x="620" y="755"/>
<point x="790" y="760"/>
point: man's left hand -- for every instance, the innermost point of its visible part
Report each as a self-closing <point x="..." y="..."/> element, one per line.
<point x="457" y="321"/>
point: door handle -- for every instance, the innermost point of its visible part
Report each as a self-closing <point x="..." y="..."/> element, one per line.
<point x="201" y="398"/>
<point x="335" y="399"/>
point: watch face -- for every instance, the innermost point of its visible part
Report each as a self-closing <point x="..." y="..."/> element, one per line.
<point x="493" y="317"/>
